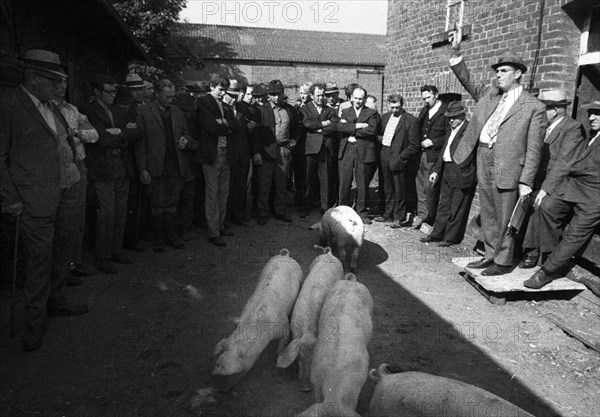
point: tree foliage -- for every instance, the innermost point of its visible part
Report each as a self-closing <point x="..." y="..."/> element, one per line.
<point x="150" y="21"/>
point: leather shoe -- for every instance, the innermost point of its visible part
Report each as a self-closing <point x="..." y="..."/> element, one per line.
<point x="73" y="282"/>
<point x="429" y="239"/>
<point x="34" y="337"/>
<point x="226" y="232"/>
<point x="217" y="241"/>
<point x="82" y="270"/>
<point x="445" y="244"/>
<point x="539" y="279"/>
<point x="176" y="243"/>
<point x="262" y="220"/>
<point x="496" y="270"/>
<point x="121" y="258"/>
<point x="67" y="309"/>
<point x="396" y="225"/>
<point x="382" y="219"/>
<point x="529" y="261"/>
<point x="105" y="266"/>
<point x="283" y="218"/>
<point x="480" y="264"/>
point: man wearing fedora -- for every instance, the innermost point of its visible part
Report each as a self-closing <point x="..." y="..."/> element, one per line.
<point x="271" y="151"/>
<point x="332" y="96"/>
<point x="399" y="142"/>
<point x="37" y="178"/>
<point x="576" y="197"/>
<point x="507" y="128"/>
<point x="563" y="136"/>
<point x="238" y="153"/>
<point x="217" y="140"/>
<point x="457" y="183"/>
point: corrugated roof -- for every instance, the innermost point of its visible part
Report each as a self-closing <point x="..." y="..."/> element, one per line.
<point x="269" y="44"/>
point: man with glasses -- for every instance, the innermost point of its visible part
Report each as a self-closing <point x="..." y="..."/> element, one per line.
<point x="108" y="173"/>
<point x="37" y="175"/>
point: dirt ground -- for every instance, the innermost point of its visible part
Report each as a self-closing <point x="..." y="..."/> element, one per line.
<point x="145" y="347"/>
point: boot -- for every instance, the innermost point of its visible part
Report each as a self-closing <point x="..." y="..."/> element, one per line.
<point x="171" y="228"/>
<point x="158" y="229"/>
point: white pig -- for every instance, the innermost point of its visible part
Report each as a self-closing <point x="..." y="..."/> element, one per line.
<point x="341" y="228"/>
<point x="325" y="270"/>
<point x="341" y="361"/>
<point x="417" y="394"/>
<point x="265" y="317"/>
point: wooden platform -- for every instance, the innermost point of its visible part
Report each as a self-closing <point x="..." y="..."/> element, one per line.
<point x="497" y="288"/>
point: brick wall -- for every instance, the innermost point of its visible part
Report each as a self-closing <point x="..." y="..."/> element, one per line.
<point x="497" y="26"/>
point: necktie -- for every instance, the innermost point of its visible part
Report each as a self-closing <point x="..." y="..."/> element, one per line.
<point x="496" y="119"/>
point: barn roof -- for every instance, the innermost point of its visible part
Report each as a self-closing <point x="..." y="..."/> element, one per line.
<point x="272" y="44"/>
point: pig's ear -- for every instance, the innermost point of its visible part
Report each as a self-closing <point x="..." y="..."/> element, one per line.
<point x="220" y="347"/>
<point x="289" y="354"/>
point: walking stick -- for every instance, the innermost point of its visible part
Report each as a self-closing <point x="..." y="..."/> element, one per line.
<point x="13" y="302"/>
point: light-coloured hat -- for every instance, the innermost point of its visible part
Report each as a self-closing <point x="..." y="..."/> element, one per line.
<point x="134" y="81"/>
<point x="554" y="98"/>
<point x="234" y="87"/>
<point x="331" y="88"/>
<point x="41" y="59"/>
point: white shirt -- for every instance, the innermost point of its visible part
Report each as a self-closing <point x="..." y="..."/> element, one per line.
<point x="434" y="109"/>
<point x="552" y="126"/>
<point x="352" y="139"/>
<point x="511" y="98"/>
<point x="594" y="138"/>
<point x="446" y="156"/>
<point x="390" y="128"/>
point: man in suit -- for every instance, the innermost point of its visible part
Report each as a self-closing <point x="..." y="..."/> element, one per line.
<point x="563" y="136"/>
<point x="163" y="162"/>
<point x="108" y="173"/>
<point x="297" y="175"/>
<point x="38" y="182"/>
<point x="399" y="140"/>
<point x="318" y="121"/>
<point x="457" y="183"/>
<point x="216" y="141"/>
<point x="356" y="154"/>
<point x="578" y="195"/>
<point x="271" y="150"/>
<point x="507" y="128"/>
<point x="433" y="126"/>
<point x="332" y="97"/>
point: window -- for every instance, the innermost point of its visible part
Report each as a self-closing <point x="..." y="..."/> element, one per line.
<point x="589" y="50"/>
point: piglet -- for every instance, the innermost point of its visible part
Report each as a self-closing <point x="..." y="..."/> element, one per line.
<point x="417" y="394"/>
<point x="340" y="360"/>
<point x="343" y="230"/>
<point x="325" y="270"/>
<point x="265" y="317"/>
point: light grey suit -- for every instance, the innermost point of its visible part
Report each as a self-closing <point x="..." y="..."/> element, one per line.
<point x="513" y="160"/>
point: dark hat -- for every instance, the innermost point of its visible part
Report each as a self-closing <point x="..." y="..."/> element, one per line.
<point x="594" y="105"/>
<point x="186" y="102"/>
<point x="259" y="90"/>
<point x="331" y="88"/>
<point x="455" y="108"/>
<point x="554" y="98"/>
<point x="41" y="59"/>
<point x="134" y="81"/>
<point x="509" y="58"/>
<point x="274" y="87"/>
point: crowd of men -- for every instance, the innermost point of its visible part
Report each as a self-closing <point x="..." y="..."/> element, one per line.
<point x="144" y="156"/>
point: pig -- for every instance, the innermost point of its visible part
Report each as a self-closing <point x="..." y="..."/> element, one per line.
<point x="340" y="360"/>
<point x="417" y="394"/>
<point x="265" y="317"/>
<point x="324" y="271"/>
<point x="343" y="230"/>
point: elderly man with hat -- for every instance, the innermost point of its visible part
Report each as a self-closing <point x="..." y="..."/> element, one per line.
<point x="136" y="87"/>
<point x="271" y="151"/>
<point x="332" y="97"/>
<point x="576" y="197"/>
<point x="507" y="129"/>
<point x="457" y="183"/>
<point x="563" y="135"/>
<point x="37" y="178"/>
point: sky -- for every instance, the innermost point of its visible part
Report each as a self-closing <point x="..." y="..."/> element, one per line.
<point x="366" y="16"/>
